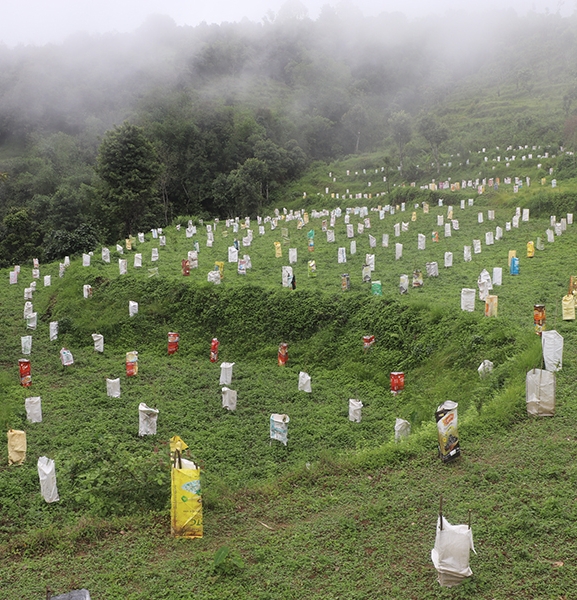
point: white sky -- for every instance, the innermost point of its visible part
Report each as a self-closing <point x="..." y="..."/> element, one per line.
<point x="42" y="21"/>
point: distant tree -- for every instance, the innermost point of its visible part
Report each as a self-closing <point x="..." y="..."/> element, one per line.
<point x="129" y="169"/>
<point x="400" y="123"/>
<point x="19" y="237"/>
<point x="435" y="133"/>
<point x="355" y="121"/>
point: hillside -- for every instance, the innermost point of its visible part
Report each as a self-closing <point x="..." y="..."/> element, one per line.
<point x="342" y="510"/>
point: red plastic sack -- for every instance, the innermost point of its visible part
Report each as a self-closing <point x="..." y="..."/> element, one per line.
<point x="25" y="377"/>
<point x="397" y="382"/>
<point x="214" y="350"/>
<point x="173" y="339"/>
<point x="282" y="354"/>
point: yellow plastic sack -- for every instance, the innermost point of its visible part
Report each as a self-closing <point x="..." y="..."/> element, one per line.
<point x="530" y="249"/>
<point x="16" y="446"/>
<point x="220" y="265"/>
<point x="186" y="503"/>
<point x="177" y="443"/>
<point x="512" y="254"/>
<point x="568" y="307"/>
<point x="277" y="250"/>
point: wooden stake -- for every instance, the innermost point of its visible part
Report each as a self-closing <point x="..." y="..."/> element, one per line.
<point x="441" y="513"/>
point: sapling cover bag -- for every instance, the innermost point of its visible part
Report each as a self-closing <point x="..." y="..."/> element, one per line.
<point x="292" y="256"/>
<point x="287" y="275"/>
<point x="304" y="382"/>
<point x="403" y="284"/>
<point x="355" y="407"/>
<point x="106" y="255"/>
<point x="450" y="555"/>
<point x="33" y="407"/>
<point x="279" y="427"/>
<point x="552" y="344"/>
<point x="485" y="368"/>
<point x="113" y="388"/>
<point x="497" y="278"/>
<point x="228" y="398"/>
<point x="86" y="260"/>
<point x="122" y="266"/>
<point x="26" y="342"/>
<point x="98" y="342"/>
<point x="87" y="291"/>
<point x="568" y="304"/>
<point x="446" y="417"/>
<point x="186" y="501"/>
<point x="137" y="260"/>
<point x="66" y="357"/>
<point x="214" y="344"/>
<point x="432" y="269"/>
<point x="16" y="446"/>
<point x="491" y="305"/>
<point x="154" y="255"/>
<point x="24" y="368"/>
<point x="342" y="255"/>
<point x="540" y="393"/>
<point x="226" y="373"/>
<point x="147" y="418"/>
<point x="448" y="259"/>
<point x="468" y="299"/>
<point x="47" y="280"/>
<point x="132" y="308"/>
<point x="47" y="476"/>
<point x="467" y="253"/>
<point x="402" y="429"/>
<point x="32" y="321"/>
<point x="282" y="356"/>
<point x="132" y="363"/>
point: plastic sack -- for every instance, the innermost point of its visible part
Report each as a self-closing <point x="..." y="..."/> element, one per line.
<point x="448" y="259"/>
<point x="47" y="476"/>
<point x="402" y="429"/>
<point x="345" y="282"/>
<point x="26" y="342"/>
<point x="398" y="251"/>
<point x="232" y="254"/>
<point x="368" y="342"/>
<point x="32" y="321"/>
<point x="98" y="342"/>
<point x="132" y="363"/>
<point x="432" y="269"/>
<point x="485" y="368"/>
<point x="468" y="299"/>
<point x="53" y="330"/>
<point x="530" y="249"/>
<point x="154" y="255"/>
<point x="497" y="278"/>
<point x="47" y="280"/>
<point x="540" y="393"/>
<point x="514" y="269"/>
<point x="119" y="249"/>
<point x="467" y="253"/>
<point x="489" y="238"/>
<point x="450" y="555"/>
<point x="370" y="261"/>
<point x="552" y="344"/>
<point x="82" y="594"/>
<point x="86" y="260"/>
<point x="417" y="278"/>
<point x="355" y="407"/>
<point x="137" y="260"/>
<point x="214" y="350"/>
<point x="186" y="501"/>
<point x="113" y="388"/>
<point x="376" y="288"/>
<point x="13" y="277"/>
<point x="292" y="255"/>
<point x="24" y="368"/>
<point x="277" y="250"/>
<point x="33" y="407"/>
<point x="147" y="419"/>
<point x="66" y="357"/>
<point x="122" y="266"/>
<point x="403" y="284"/>
<point x="28" y="293"/>
<point x="304" y="382"/>
<point x="214" y="277"/>
<point x="312" y="270"/>
<point x="87" y="291"/>
<point x="491" y="305"/>
<point x="105" y="255"/>
<point x="287" y="275"/>
<point x="16" y="446"/>
<point x="477" y="246"/>
<point x="228" y="398"/>
<point x="539" y="318"/>
<point x="28" y="309"/>
<point x="342" y="255"/>
<point x="132" y="308"/>
<point x="397" y="379"/>
<point x="226" y="373"/>
<point x="421" y="241"/>
<point x="568" y="304"/>
<point x="279" y="427"/>
<point x="446" y="418"/>
<point x="282" y="356"/>
<point x="173" y="340"/>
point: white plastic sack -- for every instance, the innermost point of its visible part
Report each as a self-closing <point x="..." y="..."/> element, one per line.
<point x="402" y="429"/>
<point x="467" y="253"/>
<point x="28" y="293"/>
<point x="292" y="253"/>
<point x="147" y="419"/>
<point x="304" y="382"/>
<point x="141" y="238"/>
<point x="228" y="398"/>
<point x="448" y="259"/>
<point x="122" y="266"/>
<point x="53" y="330"/>
<point x="214" y="277"/>
<point x="484" y="284"/>
<point x="485" y="368"/>
<point x="106" y="255"/>
<point x="98" y="342"/>
<point x="398" y="251"/>
<point x="287" y="275"/>
<point x="32" y="321"/>
<point x="468" y="299"/>
<point x="226" y="373"/>
<point x="28" y="309"/>
<point x="421" y="241"/>
<point x="137" y="260"/>
<point x="47" y="476"/>
<point x="279" y="427"/>
<point x="86" y="260"/>
<point x="498" y="233"/>
<point x="540" y="393"/>
<point x="403" y="284"/>
<point x="447" y="230"/>
<point x="87" y="291"/>
<point x="66" y="357"/>
<point x="113" y="388"/>
<point x="119" y="249"/>
<point x="33" y="408"/>
<point x="552" y="344"/>
<point x="432" y="269"/>
<point x="47" y="280"/>
<point x="132" y="308"/>
<point x="162" y="240"/>
<point x="477" y="246"/>
<point x="497" y="278"/>
<point x="385" y="240"/>
<point x="232" y="254"/>
<point x="331" y="236"/>
<point x="342" y="255"/>
<point x="355" y="407"/>
<point x="26" y="343"/>
<point x="489" y="239"/>
<point x="353" y="247"/>
<point x="370" y="261"/>
<point x="154" y="255"/>
<point x="450" y="555"/>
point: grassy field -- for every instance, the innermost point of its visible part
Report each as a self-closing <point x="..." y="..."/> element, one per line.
<point x="342" y="511"/>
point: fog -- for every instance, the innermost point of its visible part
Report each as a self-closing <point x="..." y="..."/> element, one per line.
<point x="41" y="21"/>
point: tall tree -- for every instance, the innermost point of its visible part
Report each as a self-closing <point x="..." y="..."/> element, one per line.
<point x="402" y="132"/>
<point x="129" y="169"/>
<point x="435" y="133"/>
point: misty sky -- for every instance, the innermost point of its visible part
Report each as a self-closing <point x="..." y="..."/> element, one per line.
<point x="42" y="21"/>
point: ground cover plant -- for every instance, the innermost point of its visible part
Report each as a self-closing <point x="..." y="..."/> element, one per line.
<point x="342" y="511"/>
